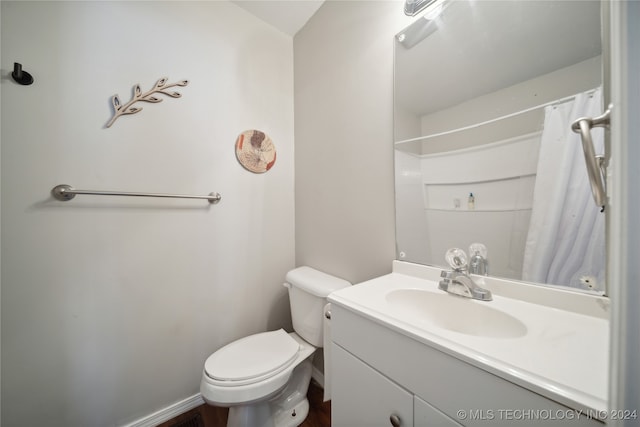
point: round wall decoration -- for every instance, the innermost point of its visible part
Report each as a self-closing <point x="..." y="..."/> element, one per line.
<point x="255" y="151"/>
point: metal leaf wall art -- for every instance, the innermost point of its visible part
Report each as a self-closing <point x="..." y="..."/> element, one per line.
<point x="160" y="87"/>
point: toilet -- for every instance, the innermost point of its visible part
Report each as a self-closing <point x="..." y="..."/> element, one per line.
<point x="263" y="378"/>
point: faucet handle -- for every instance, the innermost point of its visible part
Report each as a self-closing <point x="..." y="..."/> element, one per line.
<point x="478" y="249"/>
<point x="457" y="259"/>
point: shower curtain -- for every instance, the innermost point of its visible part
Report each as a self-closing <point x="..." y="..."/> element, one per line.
<point x="566" y="243"/>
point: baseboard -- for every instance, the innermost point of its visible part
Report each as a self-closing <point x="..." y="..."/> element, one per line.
<point x="189" y="403"/>
<point x="317" y="375"/>
<point x="169" y="412"/>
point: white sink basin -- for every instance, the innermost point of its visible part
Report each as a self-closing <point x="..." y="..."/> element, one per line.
<point x="454" y="313"/>
<point x="548" y="340"/>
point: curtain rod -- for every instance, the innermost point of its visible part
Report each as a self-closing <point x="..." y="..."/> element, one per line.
<point x="507" y="116"/>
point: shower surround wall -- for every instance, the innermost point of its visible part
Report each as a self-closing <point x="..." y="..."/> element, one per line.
<point x="111" y="305"/>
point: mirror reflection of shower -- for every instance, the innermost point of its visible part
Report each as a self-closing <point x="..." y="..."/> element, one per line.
<point x="475" y="102"/>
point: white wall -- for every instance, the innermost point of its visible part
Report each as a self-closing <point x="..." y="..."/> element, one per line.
<point x="344" y="138"/>
<point x="110" y="305"/>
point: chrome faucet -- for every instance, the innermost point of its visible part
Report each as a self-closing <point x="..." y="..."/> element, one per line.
<point x="478" y="263"/>
<point x="458" y="281"/>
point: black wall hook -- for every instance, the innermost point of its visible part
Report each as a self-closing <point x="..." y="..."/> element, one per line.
<point x="21" y="76"/>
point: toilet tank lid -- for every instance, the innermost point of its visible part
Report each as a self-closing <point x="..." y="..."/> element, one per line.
<point x="315" y="282"/>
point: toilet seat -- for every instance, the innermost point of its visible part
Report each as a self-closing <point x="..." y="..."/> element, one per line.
<point x="229" y="393"/>
<point x="252" y="359"/>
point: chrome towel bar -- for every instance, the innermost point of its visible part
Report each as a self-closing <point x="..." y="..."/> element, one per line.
<point x="595" y="163"/>
<point x="65" y="193"/>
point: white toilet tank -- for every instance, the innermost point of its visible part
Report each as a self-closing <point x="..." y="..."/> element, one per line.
<point x="308" y="291"/>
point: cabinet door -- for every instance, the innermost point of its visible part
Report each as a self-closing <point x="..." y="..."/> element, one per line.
<point x="425" y="415"/>
<point x="362" y="397"/>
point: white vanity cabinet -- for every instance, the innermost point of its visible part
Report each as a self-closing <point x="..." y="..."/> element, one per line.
<point x="364" y="397"/>
<point x="425" y="415"/>
<point x="379" y="373"/>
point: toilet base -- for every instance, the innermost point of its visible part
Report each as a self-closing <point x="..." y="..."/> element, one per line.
<point x="294" y="416"/>
<point x="258" y="415"/>
<point x="288" y="408"/>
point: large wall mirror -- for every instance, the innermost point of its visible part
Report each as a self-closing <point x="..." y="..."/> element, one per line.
<point x="485" y="94"/>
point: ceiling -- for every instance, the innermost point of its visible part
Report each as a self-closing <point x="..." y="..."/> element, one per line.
<point x="289" y="16"/>
<point x="475" y="48"/>
<point x="504" y="44"/>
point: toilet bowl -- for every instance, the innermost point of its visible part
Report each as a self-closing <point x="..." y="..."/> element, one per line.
<point x="263" y="378"/>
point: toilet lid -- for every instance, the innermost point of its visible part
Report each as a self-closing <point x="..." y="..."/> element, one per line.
<point x="253" y="356"/>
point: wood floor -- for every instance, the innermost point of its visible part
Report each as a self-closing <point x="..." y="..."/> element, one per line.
<point x="211" y="416"/>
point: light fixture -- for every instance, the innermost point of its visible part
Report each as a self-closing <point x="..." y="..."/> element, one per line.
<point x="424" y="26"/>
<point x="435" y="8"/>
<point x="413" y="7"/>
<point x="416" y="32"/>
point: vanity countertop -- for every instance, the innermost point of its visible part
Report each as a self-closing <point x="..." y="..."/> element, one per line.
<point x="563" y="355"/>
